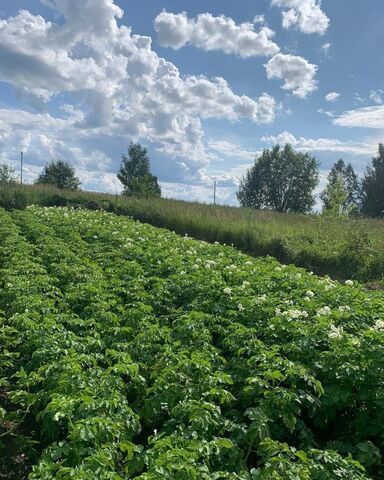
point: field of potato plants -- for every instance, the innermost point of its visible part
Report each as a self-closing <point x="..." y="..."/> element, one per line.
<point x="129" y="352"/>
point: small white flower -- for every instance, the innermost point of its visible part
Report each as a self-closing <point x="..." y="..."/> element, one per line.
<point x="195" y="266"/>
<point x="323" y="311"/>
<point x="240" y="307"/>
<point x="349" y="283"/>
<point x="207" y="266"/>
<point x="183" y="272"/>
<point x="344" y="308"/>
<point x="261" y="298"/>
<point x="335" y="332"/>
<point x="245" y="284"/>
<point x="379" y="325"/>
<point x="295" y="313"/>
<point x="248" y="262"/>
<point x="227" y="290"/>
<point x="277" y="269"/>
<point x="309" y="293"/>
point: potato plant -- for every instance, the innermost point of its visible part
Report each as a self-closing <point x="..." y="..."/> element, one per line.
<point x="128" y="351"/>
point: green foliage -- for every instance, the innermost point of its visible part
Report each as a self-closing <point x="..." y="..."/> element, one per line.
<point x="7" y="175"/>
<point x="281" y="179"/>
<point x="373" y="186"/>
<point x="324" y="244"/>
<point x="60" y="174"/>
<point x="130" y="352"/>
<point x="135" y="173"/>
<point x="342" y="193"/>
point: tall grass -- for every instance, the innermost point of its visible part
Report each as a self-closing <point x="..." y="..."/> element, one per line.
<point x="342" y="248"/>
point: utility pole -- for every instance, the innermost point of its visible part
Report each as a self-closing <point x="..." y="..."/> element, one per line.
<point x="214" y="192"/>
<point x="21" y="167"/>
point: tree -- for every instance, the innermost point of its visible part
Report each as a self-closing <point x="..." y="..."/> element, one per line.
<point x="281" y="179"/>
<point x="7" y="175"/>
<point x="135" y="173"/>
<point x="343" y="187"/>
<point x="373" y="186"/>
<point x="60" y="174"/>
<point x="336" y="198"/>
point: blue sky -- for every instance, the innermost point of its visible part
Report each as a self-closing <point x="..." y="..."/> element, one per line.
<point x="205" y="85"/>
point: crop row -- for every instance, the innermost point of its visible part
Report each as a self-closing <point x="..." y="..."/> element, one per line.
<point x="131" y="352"/>
<point x="340" y="247"/>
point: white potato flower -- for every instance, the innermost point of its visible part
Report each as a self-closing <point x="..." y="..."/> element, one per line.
<point x="323" y="311"/>
<point x="335" y="332"/>
<point x="379" y="325"/>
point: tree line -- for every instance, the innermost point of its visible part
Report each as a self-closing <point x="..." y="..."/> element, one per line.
<point x="281" y="179"/>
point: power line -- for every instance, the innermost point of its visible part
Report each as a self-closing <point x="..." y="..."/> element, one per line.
<point x="21" y="167"/>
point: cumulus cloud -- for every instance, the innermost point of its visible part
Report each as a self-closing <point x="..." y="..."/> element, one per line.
<point x="121" y="87"/>
<point x="298" y="74"/>
<point x="215" y="33"/>
<point x="377" y="96"/>
<point x="304" y="15"/>
<point x="367" y="117"/>
<point x="332" y="96"/>
<point x="321" y="144"/>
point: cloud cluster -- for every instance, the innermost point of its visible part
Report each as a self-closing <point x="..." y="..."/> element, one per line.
<point x="367" y="117"/>
<point x="298" y="74"/>
<point x="321" y="144"/>
<point x="121" y="87"/>
<point x="377" y="96"/>
<point x="214" y="33"/>
<point x="304" y="15"/>
<point x="332" y="96"/>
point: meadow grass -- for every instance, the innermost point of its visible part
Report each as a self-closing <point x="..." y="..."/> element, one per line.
<point x="342" y="248"/>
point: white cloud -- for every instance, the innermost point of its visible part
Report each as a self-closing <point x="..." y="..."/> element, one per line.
<point x="367" y="117"/>
<point x="325" y="48"/>
<point x="358" y="99"/>
<point x="230" y="150"/>
<point x="332" y="96"/>
<point x="321" y="144"/>
<point x="259" y="19"/>
<point x="298" y="74"/>
<point x="377" y="96"/>
<point x="303" y="15"/>
<point x="214" y="33"/>
<point x="326" y="112"/>
<point x="121" y="88"/>
<point x="198" y="193"/>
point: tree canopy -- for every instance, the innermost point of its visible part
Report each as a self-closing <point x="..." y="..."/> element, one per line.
<point x="373" y="186"/>
<point x="7" y="175"/>
<point x="135" y="174"/>
<point x="281" y="179"/>
<point x="342" y="193"/>
<point x="60" y="174"/>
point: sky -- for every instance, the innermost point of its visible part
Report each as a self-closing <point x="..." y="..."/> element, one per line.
<point x="204" y="85"/>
